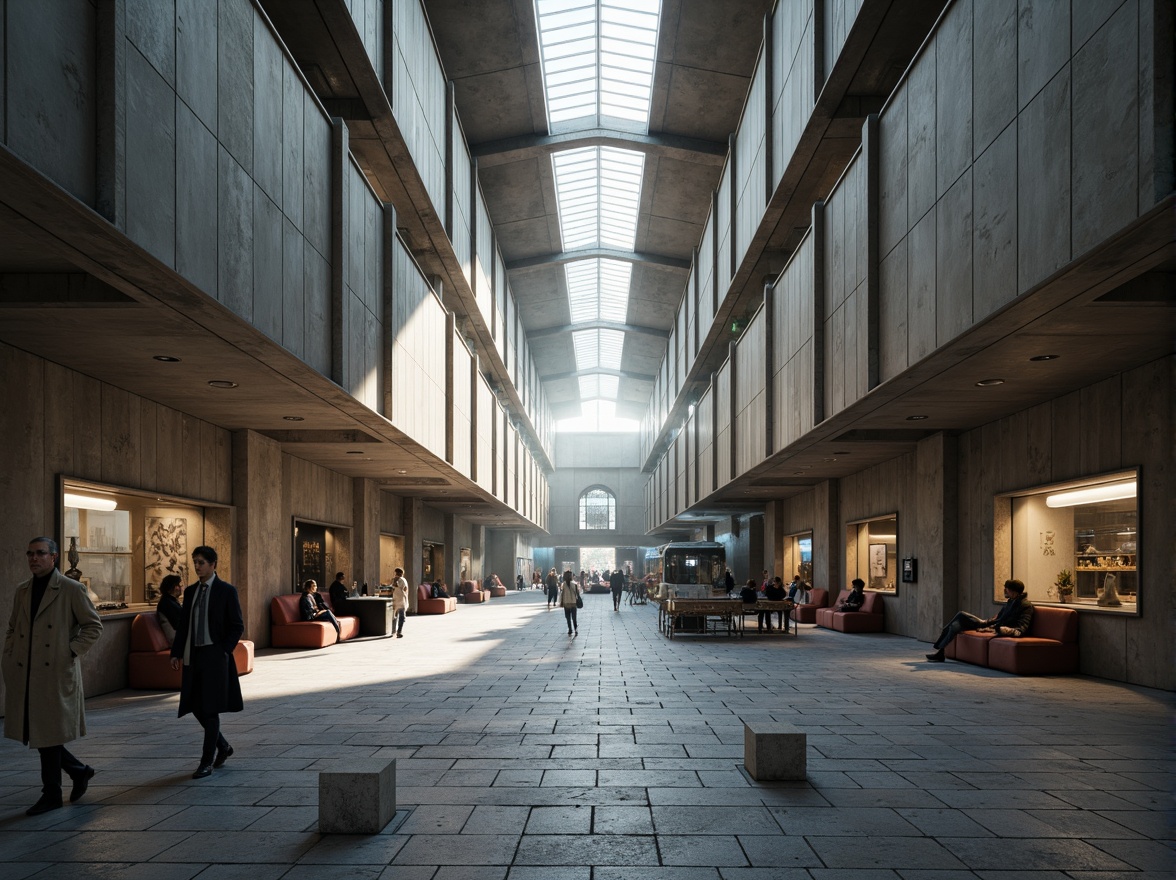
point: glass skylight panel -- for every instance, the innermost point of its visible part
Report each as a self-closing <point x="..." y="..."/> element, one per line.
<point x="598" y="348"/>
<point x="598" y="59"/>
<point x="608" y="387"/>
<point x="599" y="386"/>
<point x="598" y="190"/>
<point x="598" y="290"/>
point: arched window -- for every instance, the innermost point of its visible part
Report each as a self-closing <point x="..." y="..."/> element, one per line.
<point x="598" y="509"/>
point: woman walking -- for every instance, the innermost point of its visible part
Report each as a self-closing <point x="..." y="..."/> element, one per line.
<point x="569" y="600"/>
<point x="552" y="585"/>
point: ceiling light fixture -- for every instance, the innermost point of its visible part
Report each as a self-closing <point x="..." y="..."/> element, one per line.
<point x="165" y="359"/>
<point x="222" y="383"/>
<point x="1045" y="357"/>
<point x="293" y="419"/>
<point x="916" y="418"/>
<point x="988" y="383"/>
<point x="1092" y="494"/>
<point x="402" y="471"/>
<point x="88" y="502"/>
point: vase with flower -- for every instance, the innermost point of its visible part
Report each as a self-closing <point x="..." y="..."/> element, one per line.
<point x="1065" y="585"/>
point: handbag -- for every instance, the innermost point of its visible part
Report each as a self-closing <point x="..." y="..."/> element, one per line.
<point x="579" y="601"/>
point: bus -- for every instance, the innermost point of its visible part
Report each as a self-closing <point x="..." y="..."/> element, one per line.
<point x="692" y="569"/>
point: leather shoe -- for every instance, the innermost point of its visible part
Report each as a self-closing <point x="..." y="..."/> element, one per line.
<point x="202" y="771"/>
<point x="937" y="657"/>
<point x="44" y="805"/>
<point x="81" y="782"/>
<point x="222" y="755"/>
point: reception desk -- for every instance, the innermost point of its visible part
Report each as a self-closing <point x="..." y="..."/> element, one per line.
<point x="376" y="617"/>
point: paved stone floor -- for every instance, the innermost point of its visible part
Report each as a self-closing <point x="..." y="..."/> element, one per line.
<point x="617" y="755"/>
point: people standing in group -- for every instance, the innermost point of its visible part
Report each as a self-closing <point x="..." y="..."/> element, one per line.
<point x="169" y="610"/>
<point x="616" y="583"/>
<point x="209" y="630"/>
<point x="569" y="600"/>
<point x="312" y="607"/>
<point x="338" y="593"/>
<point x="52" y="624"/>
<point x="552" y="585"/>
<point x="400" y="600"/>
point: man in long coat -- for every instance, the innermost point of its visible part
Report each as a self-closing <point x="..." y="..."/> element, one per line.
<point x="209" y="630"/>
<point x="53" y="623"/>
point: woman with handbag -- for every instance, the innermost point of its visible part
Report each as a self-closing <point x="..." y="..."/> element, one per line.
<point x="569" y="600"/>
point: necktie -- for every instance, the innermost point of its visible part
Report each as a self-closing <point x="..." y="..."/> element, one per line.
<point x="201" y="615"/>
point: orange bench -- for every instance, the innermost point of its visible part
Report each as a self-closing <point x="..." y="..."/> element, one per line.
<point x="471" y="594"/>
<point x="149" y="660"/>
<point x="807" y="613"/>
<point x="1050" y="647"/>
<point x="426" y="604"/>
<point x="289" y="630"/>
<point x="870" y="619"/>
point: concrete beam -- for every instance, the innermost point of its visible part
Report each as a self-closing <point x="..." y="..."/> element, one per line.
<point x="599" y="371"/>
<point x="657" y="261"/>
<point x="688" y="149"/>
<point x="599" y="325"/>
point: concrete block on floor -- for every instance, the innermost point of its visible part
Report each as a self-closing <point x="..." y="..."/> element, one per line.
<point x="357" y="797"/>
<point x="774" y="751"/>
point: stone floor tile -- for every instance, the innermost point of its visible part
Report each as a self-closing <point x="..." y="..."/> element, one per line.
<point x="597" y="850"/>
<point x="707" y="820"/>
<point x="647" y="873"/>
<point x="436" y="819"/>
<point x="471" y="872"/>
<point x="943" y="822"/>
<point x="1051" y="854"/>
<point x="701" y="850"/>
<point x="560" y="820"/>
<point x="869" y="821"/>
<point x="344" y="871"/>
<point x="1143" y="855"/>
<point x="519" y="778"/>
<point x="409" y="872"/>
<point x="110" y="846"/>
<point x="881" y="852"/>
<point x="461" y="849"/>
<point x="728" y="873"/>
<point x="622" y="820"/>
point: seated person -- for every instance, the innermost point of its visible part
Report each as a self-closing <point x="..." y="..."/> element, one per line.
<point x="775" y="592"/>
<point x="169" y="610"/>
<point x="438" y="591"/>
<point x="856" y="598"/>
<point x="1012" y="620"/>
<point x="797" y="590"/>
<point x="749" y="595"/>
<point x="489" y="582"/>
<point x="312" y="606"/>
<point x="338" y="592"/>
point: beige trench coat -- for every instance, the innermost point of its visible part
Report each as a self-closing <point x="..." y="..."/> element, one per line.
<point x="67" y="626"/>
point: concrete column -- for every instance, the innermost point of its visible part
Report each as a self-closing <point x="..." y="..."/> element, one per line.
<point x="450" y="342"/>
<point x="340" y="233"/>
<point x="936" y="536"/>
<point x="871" y="150"/>
<point x="262" y="565"/>
<point x="818" y="313"/>
<point x="828" y="537"/>
<point x="387" y="295"/>
<point x="452" y="565"/>
<point x="111" y="112"/>
<point x="365" y="532"/>
<point x="412" y="548"/>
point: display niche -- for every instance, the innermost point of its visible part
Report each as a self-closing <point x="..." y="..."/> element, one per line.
<point x="1078" y="543"/>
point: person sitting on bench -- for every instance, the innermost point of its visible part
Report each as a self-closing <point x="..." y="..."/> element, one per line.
<point x="1012" y="620"/>
<point x="856" y="598"/>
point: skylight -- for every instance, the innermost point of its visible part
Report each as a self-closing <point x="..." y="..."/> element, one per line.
<point x="598" y="191"/>
<point x="598" y="290"/>
<point x="598" y="386"/>
<point x="598" y="59"/>
<point x="597" y="348"/>
<point x="597" y="415"/>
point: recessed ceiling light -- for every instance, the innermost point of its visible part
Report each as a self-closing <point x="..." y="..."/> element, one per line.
<point x="222" y="383"/>
<point x="987" y="383"/>
<point x="293" y="419"/>
<point x="798" y="473"/>
<point x="915" y="418"/>
<point x="402" y="471"/>
<point x="1045" y="357"/>
<point x="444" y="491"/>
<point x="830" y="459"/>
<point x="165" y="358"/>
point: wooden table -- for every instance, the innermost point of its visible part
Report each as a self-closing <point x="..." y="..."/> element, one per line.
<point x="726" y="615"/>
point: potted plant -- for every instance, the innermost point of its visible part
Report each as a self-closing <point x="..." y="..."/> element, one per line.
<point x="1065" y="584"/>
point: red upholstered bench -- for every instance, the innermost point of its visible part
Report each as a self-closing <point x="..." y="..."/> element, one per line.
<point x="149" y="660"/>
<point x="426" y="604"/>
<point x="870" y="619"/>
<point x="807" y="613"/>
<point x="497" y="592"/>
<point x="1050" y="647"/>
<point x="471" y="594"/>
<point x="289" y="630"/>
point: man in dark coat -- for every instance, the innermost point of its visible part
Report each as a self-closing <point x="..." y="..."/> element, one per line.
<point x="209" y="630"/>
<point x="1012" y="620"/>
<point x="616" y="583"/>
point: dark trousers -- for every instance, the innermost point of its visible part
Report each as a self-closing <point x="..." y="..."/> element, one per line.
<point x="400" y="620"/>
<point x="54" y="759"/>
<point x="212" y="736"/>
<point x="570" y="617"/>
<point x="764" y="620"/>
<point x="616" y="598"/>
<point x="962" y="622"/>
<point x="327" y="615"/>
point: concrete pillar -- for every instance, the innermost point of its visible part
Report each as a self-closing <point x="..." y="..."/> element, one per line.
<point x="828" y="538"/>
<point x="261" y="564"/>
<point x="365" y="532"/>
<point x="412" y="548"/>
<point x="936" y="536"/>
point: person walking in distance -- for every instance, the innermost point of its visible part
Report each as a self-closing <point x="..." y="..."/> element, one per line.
<point x="399" y="600"/>
<point x="616" y="583"/>
<point x="53" y="623"/>
<point x="209" y="630"/>
<point x="569" y="600"/>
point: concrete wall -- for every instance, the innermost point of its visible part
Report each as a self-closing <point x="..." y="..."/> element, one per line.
<point x="586" y="460"/>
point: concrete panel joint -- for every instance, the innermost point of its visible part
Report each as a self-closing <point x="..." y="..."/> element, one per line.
<point x="773" y="751"/>
<point x="357" y="798"/>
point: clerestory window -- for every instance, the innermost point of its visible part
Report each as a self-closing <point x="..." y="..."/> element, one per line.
<point x="598" y="509"/>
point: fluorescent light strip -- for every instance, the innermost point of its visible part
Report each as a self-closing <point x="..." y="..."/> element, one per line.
<point x="1092" y="495"/>
<point x="88" y="502"/>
